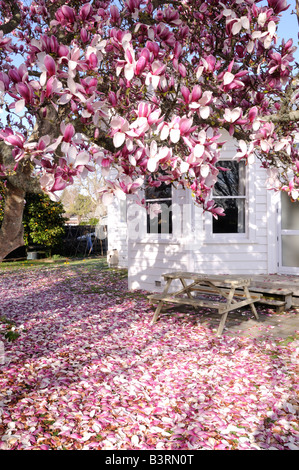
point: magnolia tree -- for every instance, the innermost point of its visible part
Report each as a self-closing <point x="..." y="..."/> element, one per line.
<point x="143" y="88"/>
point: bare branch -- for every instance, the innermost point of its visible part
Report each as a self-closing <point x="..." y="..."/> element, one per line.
<point x="14" y="21"/>
<point x="283" y="117"/>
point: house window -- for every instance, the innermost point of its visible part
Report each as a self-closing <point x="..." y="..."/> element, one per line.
<point x="230" y="194"/>
<point x="162" y="196"/>
<point x="123" y="210"/>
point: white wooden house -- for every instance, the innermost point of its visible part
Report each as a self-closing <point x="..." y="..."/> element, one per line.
<point x="259" y="235"/>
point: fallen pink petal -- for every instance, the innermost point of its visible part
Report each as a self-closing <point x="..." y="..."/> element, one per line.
<point x="89" y="371"/>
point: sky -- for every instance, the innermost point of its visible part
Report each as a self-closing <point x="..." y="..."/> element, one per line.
<point x="288" y="27"/>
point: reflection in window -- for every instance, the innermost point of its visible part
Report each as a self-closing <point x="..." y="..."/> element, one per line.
<point x="162" y="196"/>
<point x="123" y="210"/>
<point x="230" y="194"/>
<point x="289" y="213"/>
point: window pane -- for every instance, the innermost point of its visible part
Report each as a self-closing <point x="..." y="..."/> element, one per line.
<point x="123" y="210"/>
<point x="290" y="250"/>
<point x="232" y="181"/>
<point x="163" y="191"/>
<point x="163" y="222"/>
<point x="289" y="213"/>
<point x="234" y="220"/>
<point x="162" y="196"/>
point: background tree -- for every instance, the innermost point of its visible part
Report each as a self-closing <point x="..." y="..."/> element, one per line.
<point x="82" y="206"/>
<point x="88" y="188"/>
<point x="44" y="222"/>
<point x="143" y="88"/>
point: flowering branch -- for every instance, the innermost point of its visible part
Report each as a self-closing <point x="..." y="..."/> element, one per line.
<point x="145" y="89"/>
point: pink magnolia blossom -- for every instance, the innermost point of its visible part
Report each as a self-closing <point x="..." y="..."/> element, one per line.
<point x="155" y="76"/>
<point x="120" y="128"/>
<point x="278" y="5"/>
<point x="291" y="189"/>
<point x="155" y="154"/>
<point x="16" y="140"/>
<point x="245" y="151"/>
<point x="232" y="116"/>
<point x="137" y="77"/>
<point x="154" y="210"/>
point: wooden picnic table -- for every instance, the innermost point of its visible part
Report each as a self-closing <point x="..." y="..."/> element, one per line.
<point x="232" y="293"/>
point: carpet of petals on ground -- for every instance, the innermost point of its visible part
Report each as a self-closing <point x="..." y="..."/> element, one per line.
<point x="89" y="371"/>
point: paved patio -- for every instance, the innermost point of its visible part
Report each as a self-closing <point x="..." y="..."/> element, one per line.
<point x="283" y="281"/>
<point x="270" y="325"/>
<point x="241" y="323"/>
<point x="274" y="325"/>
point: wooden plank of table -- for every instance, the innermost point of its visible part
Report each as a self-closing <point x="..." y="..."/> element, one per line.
<point x="213" y="278"/>
<point x="184" y="301"/>
<point x="238" y="293"/>
<point x="222" y="307"/>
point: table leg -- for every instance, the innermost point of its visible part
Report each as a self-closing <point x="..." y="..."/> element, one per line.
<point x="187" y="291"/>
<point x="252" y="306"/>
<point x="160" y="304"/>
<point x="230" y="298"/>
<point x="157" y="312"/>
<point x="222" y="323"/>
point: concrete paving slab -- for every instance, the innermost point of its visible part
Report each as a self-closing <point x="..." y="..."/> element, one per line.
<point x="242" y="323"/>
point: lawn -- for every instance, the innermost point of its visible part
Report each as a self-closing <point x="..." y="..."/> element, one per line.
<point x="87" y="370"/>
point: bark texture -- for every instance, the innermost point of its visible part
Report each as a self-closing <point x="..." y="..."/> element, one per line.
<point x="12" y="231"/>
<point x="18" y="183"/>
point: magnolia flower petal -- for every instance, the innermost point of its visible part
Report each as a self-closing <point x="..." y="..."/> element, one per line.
<point x="198" y="150"/>
<point x="228" y="78"/>
<point x="184" y="167"/>
<point x="175" y="135"/>
<point x="204" y="170"/>
<point x="118" y="139"/>
<point x="83" y="158"/>
<point x="164" y="132"/>
<point x="129" y="71"/>
<point x="152" y="164"/>
<point x="204" y="112"/>
<point x="19" y="105"/>
<point x="107" y="198"/>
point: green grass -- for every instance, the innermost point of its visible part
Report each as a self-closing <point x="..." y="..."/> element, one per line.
<point x="48" y="262"/>
<point x="289" y="339"/>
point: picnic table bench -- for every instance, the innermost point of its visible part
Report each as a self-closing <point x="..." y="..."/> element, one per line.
<point x="232" y="293"/>
<point x="278" y="298"/>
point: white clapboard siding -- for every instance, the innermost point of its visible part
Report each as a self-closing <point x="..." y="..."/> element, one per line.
<point x="117" y="231"/>
<point x="193" y="246"/>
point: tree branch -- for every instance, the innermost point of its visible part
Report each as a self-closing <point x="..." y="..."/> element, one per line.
<point x="14" y="21"/>
<point x="284" y="117"/>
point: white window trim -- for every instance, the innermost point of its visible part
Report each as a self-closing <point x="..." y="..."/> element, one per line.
<point x="249" y="236"/>
<point x="142" y="236"/>
<point x="283" y="269"/>
<point x="178" y="235"/>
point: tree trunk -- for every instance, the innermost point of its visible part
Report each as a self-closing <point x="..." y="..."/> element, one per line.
<point x="12" y="230"/>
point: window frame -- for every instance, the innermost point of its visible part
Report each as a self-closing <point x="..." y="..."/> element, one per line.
<point x="160" y="200"/>
<point x="240" y="197"/>
<point x="249" y="235"/>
